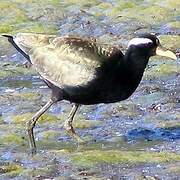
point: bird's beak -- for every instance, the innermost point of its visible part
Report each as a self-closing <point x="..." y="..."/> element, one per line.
<point x="166" y="53"/>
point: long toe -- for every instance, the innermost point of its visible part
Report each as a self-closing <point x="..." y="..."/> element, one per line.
<point x="70" y="130"/>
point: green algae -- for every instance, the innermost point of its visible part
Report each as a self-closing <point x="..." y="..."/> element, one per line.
<point x="14" y="14"/>
<point x="104" y="5"/>
<point x="83" y="124"/>
<point x="35" y="27"/>
<point x="166" y="69"/>
<point x="90" y="158"/>
<point x="12" y="138"/>
<point x="49" y="134"/>
<point x="82" y="3"/>
<point x="5" y="5"/>
<point x="172" y="42"/>
<point x="24" y="102"/>
<point x="14" y="71"/>
<point x="155" y="14"/>
<point x="10" y="170"/>
<point x="124" y="5"/>
<point x="17" y="20"/>
<point x="52" y="2"/>
<point x="174" y="25"/>
<point x="4" y="74"/>
<point x="48" y="118"/>
<point x="23" y="118"/>
<point x="123" y="8"/>
<point x="5" y="28"/>
<point x="169" y="4"/>
<point x="145" y="14"/>
<point x="27" y="96"/>
<point x="14" y="83"/>
<point x="162" y="70"/>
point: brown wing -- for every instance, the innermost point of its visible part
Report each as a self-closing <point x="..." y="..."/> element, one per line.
<point x="65" y="60"/>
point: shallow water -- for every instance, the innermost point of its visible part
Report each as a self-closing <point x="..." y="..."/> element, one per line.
<point x="135" y="139"/>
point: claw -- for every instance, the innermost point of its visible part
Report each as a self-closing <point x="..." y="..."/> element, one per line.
<point x="69" y="127"/>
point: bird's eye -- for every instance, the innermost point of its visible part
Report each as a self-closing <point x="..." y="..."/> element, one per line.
<point x="157" y="41"/>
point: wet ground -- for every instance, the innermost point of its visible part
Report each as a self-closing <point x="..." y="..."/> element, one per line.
<point x="135" y="139"/>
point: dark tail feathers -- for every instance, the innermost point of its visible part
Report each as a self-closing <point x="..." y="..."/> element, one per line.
<point x="10" y="39"/>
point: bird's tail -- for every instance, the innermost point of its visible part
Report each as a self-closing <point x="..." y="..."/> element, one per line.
<point x="18" y="47"/>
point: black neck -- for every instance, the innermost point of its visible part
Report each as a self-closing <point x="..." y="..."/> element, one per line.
<point x="136" y="61"/>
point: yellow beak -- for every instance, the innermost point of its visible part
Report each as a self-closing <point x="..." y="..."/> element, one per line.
<point x="166" y="53"/>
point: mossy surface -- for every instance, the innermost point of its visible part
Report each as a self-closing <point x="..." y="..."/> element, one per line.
<point x="83" y="124"/>
<point x="5" y="28"/>
<point x="27" y="96"/>
<point x="35" y="28"/>
<point x="90" y="158"/>
<point x="18" y="19"/>
<point x="171" y="42"/>
<point x="14" y="71"/>
<point x="49" y="135"/>
<point x="27" y="116"/>
<point x="10" y="170"/>
<point x="14" y="14"/>
<point x="162" y="70"/>
<point x="13" y="139"/>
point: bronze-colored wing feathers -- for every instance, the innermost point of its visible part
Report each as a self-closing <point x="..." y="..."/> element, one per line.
<point x="73" y="60"/>
<point x="86" y="45"/>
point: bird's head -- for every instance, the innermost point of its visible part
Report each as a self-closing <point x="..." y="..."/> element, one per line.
<point x="149" y="45"/>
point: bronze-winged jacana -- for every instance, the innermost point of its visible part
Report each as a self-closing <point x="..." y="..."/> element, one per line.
<point x="84" y="71"/>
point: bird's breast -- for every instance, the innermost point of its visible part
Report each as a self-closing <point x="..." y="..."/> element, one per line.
<point x="99" y="91"/>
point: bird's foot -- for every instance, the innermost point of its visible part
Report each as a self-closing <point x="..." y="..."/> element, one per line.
<point x="70" y="130"/>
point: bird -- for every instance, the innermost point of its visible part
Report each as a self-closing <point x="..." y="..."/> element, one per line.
<point x="84" y="71"/>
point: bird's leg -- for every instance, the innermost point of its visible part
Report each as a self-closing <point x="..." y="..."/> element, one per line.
<point x="32" y="123"/>
<point x="68" y="124"/>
